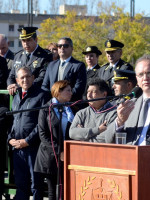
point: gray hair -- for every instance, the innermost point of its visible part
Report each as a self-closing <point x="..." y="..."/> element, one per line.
<point x="3" y="36"/>
<point x="69" y="40"/>
<point x="145" y="57"/>
<point x="24" y="69"/>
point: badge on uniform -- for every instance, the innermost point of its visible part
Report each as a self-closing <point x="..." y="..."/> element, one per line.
<point x="35" y="63"/>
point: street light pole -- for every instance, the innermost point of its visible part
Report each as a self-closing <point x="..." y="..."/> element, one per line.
<point x="132" y="8"/>
<point x="30" y="13"/>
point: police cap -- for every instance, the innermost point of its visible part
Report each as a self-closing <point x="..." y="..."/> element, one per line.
<point x="27" y="32"/>
<point x="92" y="49"/>
<point x="112" y="45"/>
<point x="123" y="75"/>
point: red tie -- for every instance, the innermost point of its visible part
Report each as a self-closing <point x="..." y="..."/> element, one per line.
<point x="23" y="94"/>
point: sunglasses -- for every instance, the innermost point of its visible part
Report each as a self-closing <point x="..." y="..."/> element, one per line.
<point x="63" y="45"/>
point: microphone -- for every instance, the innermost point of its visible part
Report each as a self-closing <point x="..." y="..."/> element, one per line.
<point x="135" y="93"/>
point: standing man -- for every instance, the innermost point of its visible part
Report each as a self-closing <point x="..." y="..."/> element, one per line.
<point x="134" y="118"/>
<point x="32" y="56"/>
<point x="24" y="137"/>
<point x="5" y="51"/>
<point x="113" y="51"/>
<point x="66" y="68"/>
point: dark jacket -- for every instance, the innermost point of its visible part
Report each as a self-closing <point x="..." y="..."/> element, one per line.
<point x="25" y="123"/>
<point x="3" y="73"/>
<point x="45" y="160"/>
<point x="107" y="74"/>
<point x="75" y="73"/>
<point x="37" y="64"/>
<point x="9" y="59"/>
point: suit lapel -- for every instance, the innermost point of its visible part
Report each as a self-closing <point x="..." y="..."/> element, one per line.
<point x="133" y="121"/>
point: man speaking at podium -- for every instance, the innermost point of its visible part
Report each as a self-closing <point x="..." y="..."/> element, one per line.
<point x="134" y="117"/>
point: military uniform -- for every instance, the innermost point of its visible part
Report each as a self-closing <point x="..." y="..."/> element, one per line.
<point x="37" y="60"/>
<point x="91" y="73"/>
<point x="37" y="63"/>
<point x="106" y="72"/>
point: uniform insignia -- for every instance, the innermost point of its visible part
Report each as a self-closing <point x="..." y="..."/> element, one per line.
<point x="108" y="44"/>
<point x="118" y="67"/>
<point x="23" y="32"/>
<point x="88" y="49"/>
<point x="115" y="74"/>
<point x="18" y="62"/>
<point x="94" y="70"/>
<point x="38" y="52"/>
<point x="35" y="63"/>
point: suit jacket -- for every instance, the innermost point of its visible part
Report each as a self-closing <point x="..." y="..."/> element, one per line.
<point x="9" y="59"/>
<point x="37" y="63"/>
<point x="75" y="73"/>
<point x="107" y="74"/>
<point x="3" y="73"/>
<point x="130" y="126"/>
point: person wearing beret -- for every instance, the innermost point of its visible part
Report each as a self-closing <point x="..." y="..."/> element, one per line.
<point x="92" y="54"/>
<point x="32" y="56"/>
<point x="113" y="51"/>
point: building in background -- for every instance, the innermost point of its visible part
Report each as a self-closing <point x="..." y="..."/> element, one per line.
<point x="79" y="9"/>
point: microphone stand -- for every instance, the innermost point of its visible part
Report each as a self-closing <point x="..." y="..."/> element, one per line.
<point x="66" y="104"/>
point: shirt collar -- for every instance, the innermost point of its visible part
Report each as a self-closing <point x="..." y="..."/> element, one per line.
<point x="67" y="60"/>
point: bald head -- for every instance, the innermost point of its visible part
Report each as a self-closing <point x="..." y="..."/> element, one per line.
<point x="3" y="45"/>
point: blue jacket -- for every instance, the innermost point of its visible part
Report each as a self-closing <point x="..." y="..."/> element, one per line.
<point x="25" y="123"/>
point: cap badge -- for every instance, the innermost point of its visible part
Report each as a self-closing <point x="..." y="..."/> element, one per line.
<point x="108" y="44"/>
<point x="23" y="32"/>
<point x="88" y="49"/>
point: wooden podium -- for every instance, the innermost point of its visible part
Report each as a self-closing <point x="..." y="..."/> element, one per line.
<point x="94" y="171"/>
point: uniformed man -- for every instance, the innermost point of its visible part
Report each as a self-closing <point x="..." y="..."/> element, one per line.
<point x="32" y="56"/>
<point x="113" y="51"/>
<point x="92" y="54"/>
<point x="123" y="81"/>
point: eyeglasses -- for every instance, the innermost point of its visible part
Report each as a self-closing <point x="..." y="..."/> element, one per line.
<point x="141" y="75"/>
<point x="63" y="45"/>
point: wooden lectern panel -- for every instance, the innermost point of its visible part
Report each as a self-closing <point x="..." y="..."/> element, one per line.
<point x="106" y="171"/>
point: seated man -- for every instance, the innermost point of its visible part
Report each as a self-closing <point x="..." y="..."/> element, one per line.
<point x="94" y="119"/>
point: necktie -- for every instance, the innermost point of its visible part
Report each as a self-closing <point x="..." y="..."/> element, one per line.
<point x="28" y="56"/>
<point x="63" y="63"/>
<point x="142" y="120"/>
<point x="23" y="94"/>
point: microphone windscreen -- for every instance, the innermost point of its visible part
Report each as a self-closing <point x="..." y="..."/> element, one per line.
<point x="137" y="92"/>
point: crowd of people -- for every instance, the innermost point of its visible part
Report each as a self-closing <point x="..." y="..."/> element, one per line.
<point x="51" y="78"/>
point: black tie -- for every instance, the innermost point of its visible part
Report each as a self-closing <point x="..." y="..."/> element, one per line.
<point x="28" y="56"/>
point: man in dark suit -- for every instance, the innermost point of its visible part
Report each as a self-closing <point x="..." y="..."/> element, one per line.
<point x="32" y="56"/>
<point x="113" y="51"/>
<point x="3" y="73"/>
<point x="134" y="118"/>
<point x="66" y="68"/>
<point x="5" y="51"/>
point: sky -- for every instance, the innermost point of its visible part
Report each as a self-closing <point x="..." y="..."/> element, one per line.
<point x="140" y="5"/>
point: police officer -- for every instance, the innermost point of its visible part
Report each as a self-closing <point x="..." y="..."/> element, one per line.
<point x="113" y="51"/>
<point x="32" y="56"/>
<point x="123" y="82"/>
<point x="92" y="54"/>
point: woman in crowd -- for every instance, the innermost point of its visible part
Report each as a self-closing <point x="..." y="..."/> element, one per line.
<point x="49" y="119"/>
<point x="54" y="49"/>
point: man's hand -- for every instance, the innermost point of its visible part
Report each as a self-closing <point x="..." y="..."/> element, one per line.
<point x="123" y="112"/>
<point x="102" y="127"/>
<point x="18" y="144"/>
<point x="12" y="88"/>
